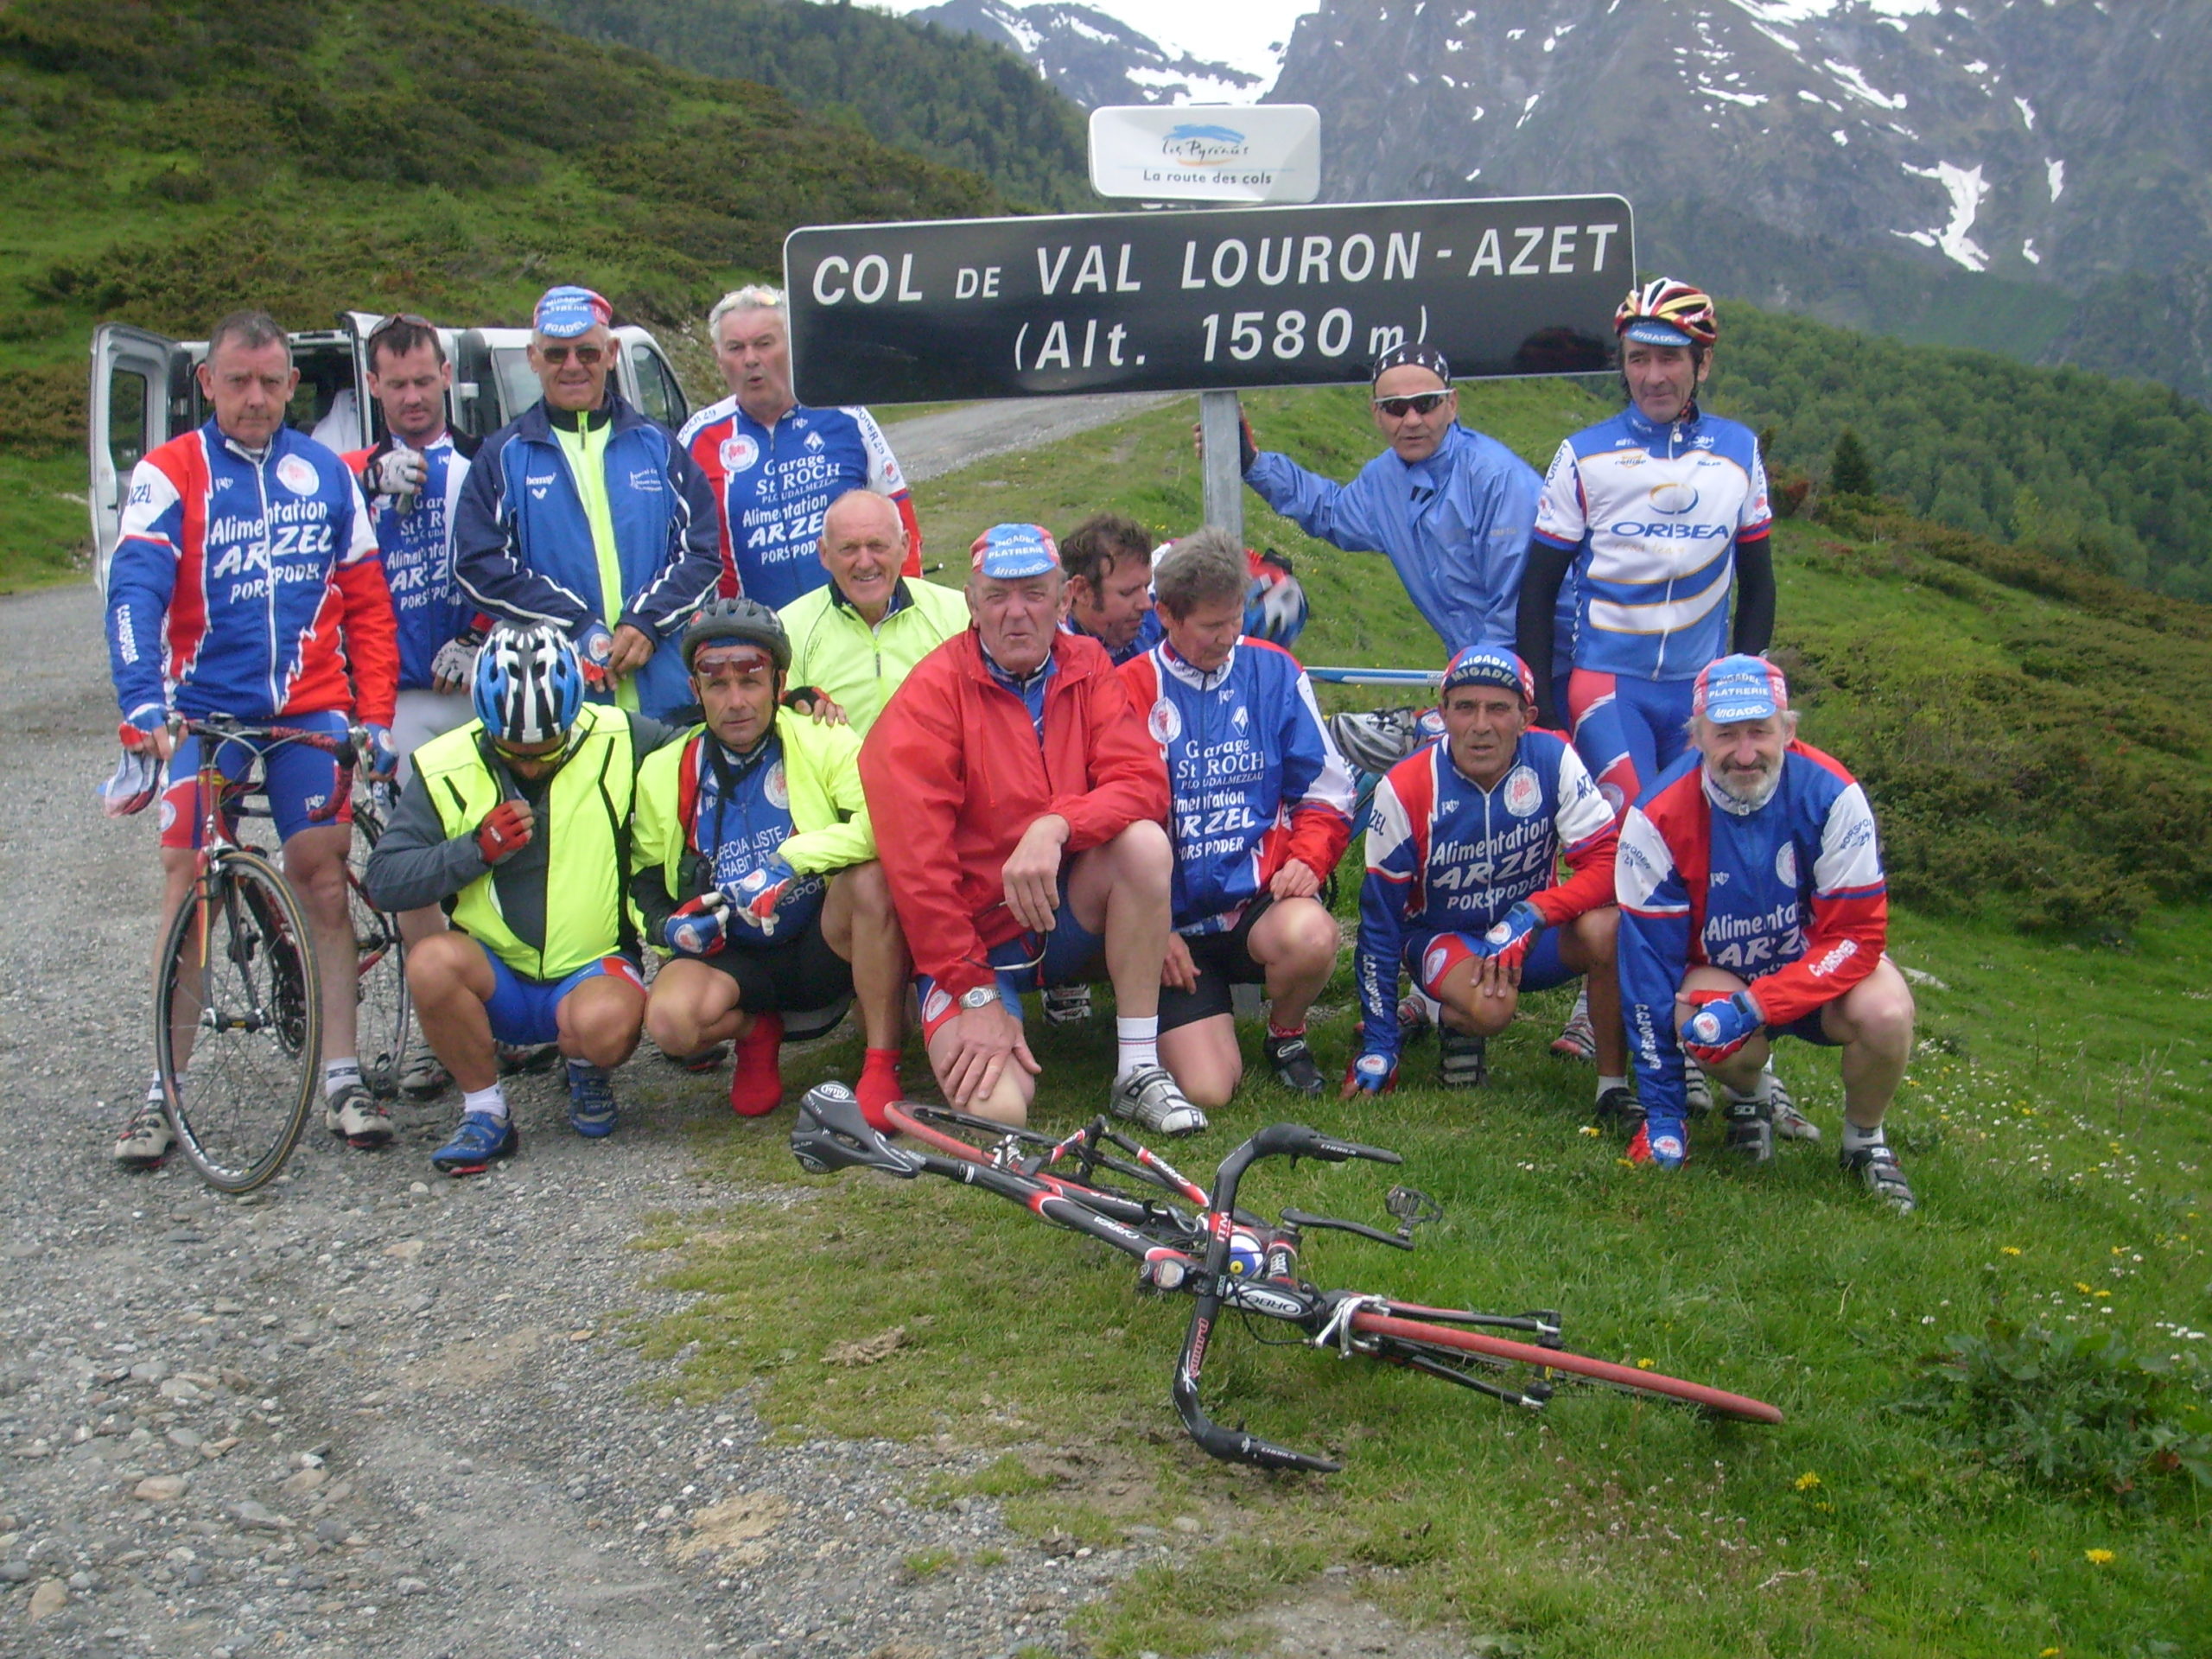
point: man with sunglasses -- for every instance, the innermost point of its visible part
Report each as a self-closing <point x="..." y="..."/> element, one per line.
<point x="1029" y="803"/>
<point x="582" y="513"/>
<point x="518" y="823"/>
<point x="754" y="868"/>
<point x="1451" y="508"/>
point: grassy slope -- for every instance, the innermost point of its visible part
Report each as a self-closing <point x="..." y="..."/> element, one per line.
<point x="454" y="159"/>
<point x="2057" y="1107"/>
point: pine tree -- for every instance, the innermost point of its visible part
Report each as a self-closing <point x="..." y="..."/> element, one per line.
<point x="1850" y="472"/>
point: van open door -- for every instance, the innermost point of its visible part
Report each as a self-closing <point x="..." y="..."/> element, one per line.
<point x="142" y="397"/>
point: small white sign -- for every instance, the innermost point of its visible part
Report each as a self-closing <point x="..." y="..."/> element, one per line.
<point x="1215" y="152"/>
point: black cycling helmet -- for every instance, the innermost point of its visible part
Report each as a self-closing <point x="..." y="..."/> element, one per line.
<point x="746" y="620"/>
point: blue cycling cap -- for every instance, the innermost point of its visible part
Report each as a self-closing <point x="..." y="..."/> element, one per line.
<point x="565" y="312"/>
<point x="1739" y="687"/>
<point x="1489" y="665"/>
<point x="1650" y="331"/>
<point x="1009" y="552"/>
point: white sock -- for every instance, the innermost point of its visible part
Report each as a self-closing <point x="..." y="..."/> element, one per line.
<point x="1581" y="1003"/>
<point x="154" y="1089"/>
<point x="1606" y="1084"/>
<point x="1857" y="1140"/>
<point x="336" y="1074"/>
<point x="1139" y="1041"/>
<point x="1758" y="1090"/>
<point x="492" y="1103"/>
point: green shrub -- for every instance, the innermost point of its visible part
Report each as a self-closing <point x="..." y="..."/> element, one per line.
<point x="2072" y="1411"/>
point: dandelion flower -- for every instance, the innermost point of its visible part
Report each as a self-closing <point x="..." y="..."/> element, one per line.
<point x="2009" y="1250"/>
<point x="1807" y="1481"/>
<point x="2098" y="1557"/>
<point x="2084" y="1289"/>
<point x="1591" y="1130"/>
<point x="1645" y="1364"/>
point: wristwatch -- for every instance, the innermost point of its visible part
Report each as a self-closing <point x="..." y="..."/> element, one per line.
<point x="981" y="997"/>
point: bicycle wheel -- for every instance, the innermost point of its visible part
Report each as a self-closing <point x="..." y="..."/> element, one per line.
<point x="384" y="1036"/>
<point x="238" y="1023"/>
<point x="1413" y="1341"/>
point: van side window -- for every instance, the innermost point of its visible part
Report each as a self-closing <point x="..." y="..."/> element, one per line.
<point x="128" y="396"/>
<point x="657" y="394"/>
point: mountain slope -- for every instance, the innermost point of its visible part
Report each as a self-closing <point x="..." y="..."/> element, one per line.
<point x="1092" y="58"/>
<point x="938" y="92"/>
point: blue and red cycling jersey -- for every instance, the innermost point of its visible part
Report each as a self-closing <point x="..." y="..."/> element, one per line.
<point x="249" y="585"/>
<point x="1445" y="855"/>
<point x="1252" y="779"/>
<point x="772" y="484"/>
<point x="1654" y="514"/>
<point x="426" y="603"/>
<point x="1787" y="896"/>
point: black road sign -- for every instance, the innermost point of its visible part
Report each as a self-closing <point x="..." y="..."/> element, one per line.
<point x="1175" y="302"/>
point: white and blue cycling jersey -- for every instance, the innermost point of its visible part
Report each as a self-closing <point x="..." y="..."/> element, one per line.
<point x="1653" y="514"/>
<point x="1254" y="779"/>
<point x="417" y="546"/>
<point x="774" y="483"/>
<point x="1789" y="896"/>
<point x="1445" y="855"/>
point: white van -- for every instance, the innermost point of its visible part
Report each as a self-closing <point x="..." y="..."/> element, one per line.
<point x="145" y="391"/>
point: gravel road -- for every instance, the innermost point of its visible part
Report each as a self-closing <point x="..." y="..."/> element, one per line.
<point x="373" y="1412"/>
<point x="929" y="445"/>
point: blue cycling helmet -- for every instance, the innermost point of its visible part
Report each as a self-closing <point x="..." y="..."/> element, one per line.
<point x="1274" y="602"/>
<point x="528" y="686"/>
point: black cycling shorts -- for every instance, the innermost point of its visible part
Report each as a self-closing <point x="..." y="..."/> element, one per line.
<point x="796" y="976"/>
<point x="1223" y="960"/>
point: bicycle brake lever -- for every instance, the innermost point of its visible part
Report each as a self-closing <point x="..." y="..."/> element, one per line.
<point x="1300" y="1219"/>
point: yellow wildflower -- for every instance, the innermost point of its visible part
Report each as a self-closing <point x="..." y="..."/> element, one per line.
<point x="2084" y="1289"/>
<point x="1807" y="1481"/>
<point x="2098" y="1557"/>
<point x="2009" y="1250"/>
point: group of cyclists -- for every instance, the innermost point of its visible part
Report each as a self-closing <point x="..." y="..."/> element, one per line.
<point x="690" y="692"/>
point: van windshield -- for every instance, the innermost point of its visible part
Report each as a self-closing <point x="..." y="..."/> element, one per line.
<point x="519" y="387"/>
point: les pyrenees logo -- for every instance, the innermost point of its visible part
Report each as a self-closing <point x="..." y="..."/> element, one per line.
<point x="1203" y="144"/>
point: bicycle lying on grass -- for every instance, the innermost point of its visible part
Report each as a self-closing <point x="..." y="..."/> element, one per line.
<point x="1228" y="1257"/>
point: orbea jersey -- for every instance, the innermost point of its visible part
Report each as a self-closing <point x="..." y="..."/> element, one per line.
<point x="249" y="585"/>
<point x="1253" y="777"/>
<point x="1789" y="896"/>
<point x="774" y="484"/>
<point x="417" y="547"/>
<point x="1445" y="855"/>
<point x="1656" y="512"/>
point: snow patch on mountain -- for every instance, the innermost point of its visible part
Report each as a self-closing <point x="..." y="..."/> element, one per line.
<point x="1967" y="190"/>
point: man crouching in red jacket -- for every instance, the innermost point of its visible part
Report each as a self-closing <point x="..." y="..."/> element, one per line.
<point x="1009" y="759"/>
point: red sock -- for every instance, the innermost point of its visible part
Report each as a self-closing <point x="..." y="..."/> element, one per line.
<point x="878" y="1086"/>
<point x="756" y="1083"/>
<point x="1277" y="1031"/>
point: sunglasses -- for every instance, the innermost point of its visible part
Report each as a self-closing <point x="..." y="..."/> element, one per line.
<point x="588" y="356"/>
<point x="400" y="320"/>
<point x="1398" y="408"/>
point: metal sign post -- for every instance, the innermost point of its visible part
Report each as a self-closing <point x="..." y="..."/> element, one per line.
<point x="1218" y="419"/>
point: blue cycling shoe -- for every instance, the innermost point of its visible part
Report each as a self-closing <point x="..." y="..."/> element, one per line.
<point x="480" y="1138"/>
<point x="1662" y="1142"/>
<point x="591" y="1101"/>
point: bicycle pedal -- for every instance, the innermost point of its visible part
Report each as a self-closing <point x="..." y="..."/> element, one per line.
<point x="1411" y="1206"/>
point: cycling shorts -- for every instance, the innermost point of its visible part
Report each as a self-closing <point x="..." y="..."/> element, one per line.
<point x="527" y="1011"/>
<point x="1627" y="731"/>
<point x="1431" y="959"/>
<point x="298" y="780"/>
<point x="794" y="976"/>
<point x="1224" y="960"/>
<point x="1025" y="962"/>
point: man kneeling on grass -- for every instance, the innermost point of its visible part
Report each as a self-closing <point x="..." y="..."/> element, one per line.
<point x="1752" y="903"/>
<point x="1027" y="802"/>
<point x="1261" y="812"/>
<point x="1462" y="844"/>
<point x="515" y="822"/>
<point x="755" y="866"/>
